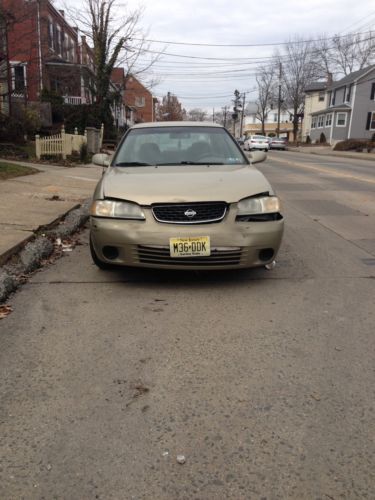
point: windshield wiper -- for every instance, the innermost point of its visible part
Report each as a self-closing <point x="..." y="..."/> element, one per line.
<point x="190" y="163"/>
<point x="133" y="164"/>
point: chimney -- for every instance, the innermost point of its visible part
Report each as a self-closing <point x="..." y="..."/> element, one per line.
<point x="62" y="12"/>
<point x="329" y="79"/>
<point x="83" y="38"/>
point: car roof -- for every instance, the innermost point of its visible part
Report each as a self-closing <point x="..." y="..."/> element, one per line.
<point x="177" y="124"/>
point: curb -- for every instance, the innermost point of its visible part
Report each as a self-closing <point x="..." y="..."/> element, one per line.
<point x="5" y="256"/>
<point x="332" y="155"/>
<point x="30" y="253"/>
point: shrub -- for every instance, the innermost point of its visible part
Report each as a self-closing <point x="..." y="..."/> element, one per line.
<point x="355" y="145"/>
<point x="83" y="153"/>
<point x="308" y="140"/>
<point x="351" y="145"/>
<point x="11" y="130"/>
<point x="322" y="138"/>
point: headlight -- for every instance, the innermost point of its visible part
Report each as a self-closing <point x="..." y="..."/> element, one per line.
<point x="261" y="205"/>
<point x="117" y="209"/>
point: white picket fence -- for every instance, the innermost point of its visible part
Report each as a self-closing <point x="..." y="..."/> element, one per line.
<point x="62" y="144"/>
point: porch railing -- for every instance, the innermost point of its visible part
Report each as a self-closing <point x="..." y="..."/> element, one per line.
<point x="75" y="100"/>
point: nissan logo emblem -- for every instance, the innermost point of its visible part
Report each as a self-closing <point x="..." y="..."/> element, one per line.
<point x="190" y="213"/>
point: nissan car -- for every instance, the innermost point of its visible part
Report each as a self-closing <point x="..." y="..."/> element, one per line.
<point x="183" y="195"/>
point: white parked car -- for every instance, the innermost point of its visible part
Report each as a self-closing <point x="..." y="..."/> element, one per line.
<point x="259" y="142"/>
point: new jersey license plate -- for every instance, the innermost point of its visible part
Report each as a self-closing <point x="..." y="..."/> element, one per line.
<point x="190" y="247"/>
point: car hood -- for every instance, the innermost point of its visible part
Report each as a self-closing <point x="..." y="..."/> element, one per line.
<point x="183" y="183"/>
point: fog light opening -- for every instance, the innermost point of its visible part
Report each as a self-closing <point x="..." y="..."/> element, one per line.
<point x="266" y="254"/>
<point x="110" y="253"/>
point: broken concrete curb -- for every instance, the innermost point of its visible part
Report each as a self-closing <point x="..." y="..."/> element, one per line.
<point x="8" y="284"/>
<point x="36" y="251"/>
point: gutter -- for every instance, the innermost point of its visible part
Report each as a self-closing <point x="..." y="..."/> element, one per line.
<point x="39" y="49"/>
<point x="351" y="114"/>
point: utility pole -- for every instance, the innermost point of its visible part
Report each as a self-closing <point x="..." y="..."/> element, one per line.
<point x="279" y="102"/>
<point x="242" y="113"/>
<point x="225" y="115"/>
<point x="213" y="115"/>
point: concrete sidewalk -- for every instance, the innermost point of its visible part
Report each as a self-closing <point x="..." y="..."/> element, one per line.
<point x="327" y="151"/>
<point x="31" y="201"/>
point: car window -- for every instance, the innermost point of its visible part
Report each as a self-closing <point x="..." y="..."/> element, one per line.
<point x="178" y="145"/>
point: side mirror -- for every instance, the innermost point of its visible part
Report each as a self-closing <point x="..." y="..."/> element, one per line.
<point x="101" y="159"/>
<point x="257" y="156"/>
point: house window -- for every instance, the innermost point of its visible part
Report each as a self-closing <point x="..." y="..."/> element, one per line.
<point x="321" y="96"/>
<point x="341" y="119"/>
<point x="313" y="122"/>
<point x="349" y="93"/>
<point x="372" y="96"/>
<point x="371" y="121"/>
<point x="19" y="78"/>
<point x="58" y="40"/>
<point x="320" y="121"/>
<point x="275" y="117"/>
<point x="66" y="53"/>
<point x="50" y="34"/>
<point x="329" y="120"/>
<point x="139" y="102"/>
<point x="333" y="99"/>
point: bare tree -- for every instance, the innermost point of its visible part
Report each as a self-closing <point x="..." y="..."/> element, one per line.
<point x="344" y="54"/>
<point x="299" y="68"/>
<point x="170" y="109"/>
<point x="265" y="79"/>
<point x="197" y="115"/>
<point x="117" y="40"/>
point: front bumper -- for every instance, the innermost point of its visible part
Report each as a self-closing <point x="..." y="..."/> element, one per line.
<point x="146" y="243"/>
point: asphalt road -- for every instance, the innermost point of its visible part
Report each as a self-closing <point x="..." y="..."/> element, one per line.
<point x="263" y="380"/>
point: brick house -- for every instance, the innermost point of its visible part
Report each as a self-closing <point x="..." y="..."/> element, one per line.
<point x="4" y="67"/>
<point x="140" y="99"/>
<point x="139" y="104"/>
<point x="45" y="54"/>
<point x="123" y="115"/>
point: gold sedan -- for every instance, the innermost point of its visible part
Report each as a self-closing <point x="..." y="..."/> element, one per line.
<point x="183" y="195"/>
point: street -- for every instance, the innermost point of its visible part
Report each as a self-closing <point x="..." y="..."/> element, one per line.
<point x="263" y="380"/>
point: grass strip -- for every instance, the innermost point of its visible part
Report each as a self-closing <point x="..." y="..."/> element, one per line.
<point x="10" y="170"/>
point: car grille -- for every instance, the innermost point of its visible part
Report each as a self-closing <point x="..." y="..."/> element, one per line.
<point x="190" y="213"/>
<point x="161" y="255"/>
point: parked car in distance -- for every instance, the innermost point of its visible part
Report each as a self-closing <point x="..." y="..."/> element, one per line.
<point x="278" y="143"/>
<point x="259" y="142"/>
<point x="183" y="195"/>
<point x="240" y="142"/>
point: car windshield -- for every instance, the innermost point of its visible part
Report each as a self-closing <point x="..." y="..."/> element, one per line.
<point x="181" y="145"/>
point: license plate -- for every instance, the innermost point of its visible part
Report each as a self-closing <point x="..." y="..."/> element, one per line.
<point x="190" y="247"/>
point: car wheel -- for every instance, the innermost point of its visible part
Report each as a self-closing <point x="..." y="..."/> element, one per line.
<point x="99" y="263"/>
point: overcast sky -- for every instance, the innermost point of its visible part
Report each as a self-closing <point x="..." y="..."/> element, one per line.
<point x="209" y="83"/>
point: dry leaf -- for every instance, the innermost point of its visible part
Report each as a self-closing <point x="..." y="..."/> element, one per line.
<point x="5" y="310"/>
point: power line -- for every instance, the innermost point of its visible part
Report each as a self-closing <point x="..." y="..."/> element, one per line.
<point x="270" y="44"/>
<point x="244" y="59"/>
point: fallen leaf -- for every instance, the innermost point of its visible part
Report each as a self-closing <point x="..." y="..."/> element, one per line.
<point x="315" y="396"/>
<point x="5" y="311"/>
